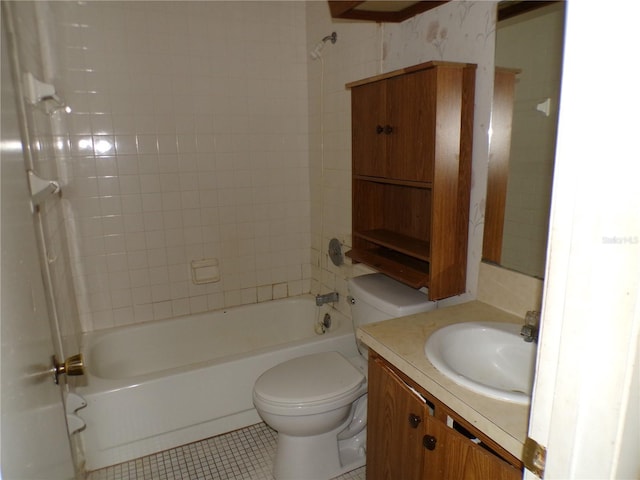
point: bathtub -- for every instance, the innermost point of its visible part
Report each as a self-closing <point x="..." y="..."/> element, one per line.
<point x="166" y="383"/>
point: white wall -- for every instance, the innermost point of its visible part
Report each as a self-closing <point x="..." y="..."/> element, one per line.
<point x="41" y="156"/>
<point x="34" y="441"/>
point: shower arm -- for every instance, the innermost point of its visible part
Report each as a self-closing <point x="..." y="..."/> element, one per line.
<point x="333" y="38"/>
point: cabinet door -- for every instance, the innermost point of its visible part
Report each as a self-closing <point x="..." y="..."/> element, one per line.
<point x="394" y="427"/>
<point x="457" y="458"/>
<point x="411" y="105"/>
<point x="435" y="449"/>
<point x="368" y="117"/>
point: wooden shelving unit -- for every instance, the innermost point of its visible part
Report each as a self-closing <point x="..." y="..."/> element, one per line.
<point x="412" y="131"/>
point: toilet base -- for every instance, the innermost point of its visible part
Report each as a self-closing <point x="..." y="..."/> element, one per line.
<point x="320" y="457"/>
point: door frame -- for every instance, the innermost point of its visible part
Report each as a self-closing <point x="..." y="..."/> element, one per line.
<point x="586" y="407"/>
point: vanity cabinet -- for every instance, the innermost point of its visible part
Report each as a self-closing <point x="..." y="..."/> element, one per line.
<point x="412" y="135"/>
<point x="411" y="435"/>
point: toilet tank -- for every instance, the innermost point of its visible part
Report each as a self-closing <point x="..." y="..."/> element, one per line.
<point x="377" y="297"/>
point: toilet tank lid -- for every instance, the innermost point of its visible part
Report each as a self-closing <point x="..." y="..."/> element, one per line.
<point x="388" y="295"/>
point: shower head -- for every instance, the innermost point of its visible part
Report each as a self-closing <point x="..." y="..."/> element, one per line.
<point x="315" y="53"/>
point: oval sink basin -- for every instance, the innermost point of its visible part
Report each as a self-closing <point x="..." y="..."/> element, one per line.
<point x="490" y="358"/>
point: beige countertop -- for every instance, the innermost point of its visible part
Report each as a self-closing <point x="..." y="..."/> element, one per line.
<point x="401" y="342"/>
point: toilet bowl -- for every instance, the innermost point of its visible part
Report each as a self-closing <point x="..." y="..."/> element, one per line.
<point x="317" y="403"/>
<point x="309" y="401"/>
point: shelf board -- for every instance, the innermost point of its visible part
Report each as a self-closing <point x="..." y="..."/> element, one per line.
<point x="393" y="181"/>
<point x="405" y="269"/>
<point x="396" y="241"/>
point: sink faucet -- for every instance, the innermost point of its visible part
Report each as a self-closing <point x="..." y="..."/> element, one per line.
<point x="531" y="326"/>
<point x="326" y="298"/>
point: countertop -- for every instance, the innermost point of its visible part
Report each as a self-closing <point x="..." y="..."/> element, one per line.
<point x="401" y="342"/>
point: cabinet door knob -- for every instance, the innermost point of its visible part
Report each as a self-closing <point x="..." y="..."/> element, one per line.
<point x="388" y="129"/>
<point x="429" y="442"/>
<point x="414" y="420"/>
<point x="379" y="129"/>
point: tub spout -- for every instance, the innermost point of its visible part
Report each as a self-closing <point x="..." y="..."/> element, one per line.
<point x="326" y="298"/>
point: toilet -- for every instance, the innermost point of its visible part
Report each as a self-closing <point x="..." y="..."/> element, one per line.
<point x="317" y="403"/>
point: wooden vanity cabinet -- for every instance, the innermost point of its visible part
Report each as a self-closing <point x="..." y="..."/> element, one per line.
<point x="412" y="436"/>
<point x="394" y="444"/>
<point x="412" y="135"/>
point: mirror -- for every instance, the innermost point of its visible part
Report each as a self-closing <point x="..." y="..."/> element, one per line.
<point x="528" y="59"/>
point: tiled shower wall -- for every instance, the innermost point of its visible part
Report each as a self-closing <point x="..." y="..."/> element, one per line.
<point x="356" y="54"/>
<point x="188" y="140"/>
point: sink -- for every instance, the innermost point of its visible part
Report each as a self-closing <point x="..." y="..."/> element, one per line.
<point x="490" y="358"/>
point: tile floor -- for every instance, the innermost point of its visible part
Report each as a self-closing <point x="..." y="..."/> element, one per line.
<point x="241" y="455"/>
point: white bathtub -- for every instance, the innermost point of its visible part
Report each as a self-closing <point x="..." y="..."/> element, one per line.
<point x="162" y="384"/>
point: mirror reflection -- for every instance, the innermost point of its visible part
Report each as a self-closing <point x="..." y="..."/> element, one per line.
<point x="528" y="62"/>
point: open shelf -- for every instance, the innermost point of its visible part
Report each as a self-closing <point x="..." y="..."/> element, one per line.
<point x="398" y="242"/>
<point x="403" y="268"/>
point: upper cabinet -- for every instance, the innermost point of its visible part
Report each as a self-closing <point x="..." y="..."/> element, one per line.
<point x="390" y="119"/>
<point x="380" y="10"/>
<point x="412" y="135"/>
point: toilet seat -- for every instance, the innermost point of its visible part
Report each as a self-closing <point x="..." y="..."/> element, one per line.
<point x="310" y="384"/>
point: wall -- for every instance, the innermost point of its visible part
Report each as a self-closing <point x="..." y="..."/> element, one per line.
<point x="41" y="152"/>
<point x="202" y="129"/>
<point x="458" y="31"/>
<point x="35" y="311"/>
<point x="188" y="140"/>
<point x="356" y="54"/>
<point x="508" y="290"/>
<point x="533" y="43"/>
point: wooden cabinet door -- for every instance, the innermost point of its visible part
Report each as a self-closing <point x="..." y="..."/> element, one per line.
<point x="394" y="445"/>
<point x="369" y="118"/>
<point x="468" y="461"/>
<point x="411" y="105"/>
<point x="457" y="458"/>
<point x="393" y="127"/>
<point x="434" y="448"/>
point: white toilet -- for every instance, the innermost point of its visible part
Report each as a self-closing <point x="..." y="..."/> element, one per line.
<point x="317" y="403"/>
